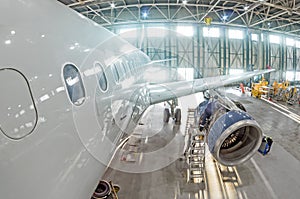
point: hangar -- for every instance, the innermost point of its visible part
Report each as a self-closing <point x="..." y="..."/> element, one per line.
<point x="150" y="99"/>
<point x="202" y="39"/>
<point x="228" y="35"/>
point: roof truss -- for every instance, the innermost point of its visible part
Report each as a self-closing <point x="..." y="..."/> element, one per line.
<point x="282" y="16"/>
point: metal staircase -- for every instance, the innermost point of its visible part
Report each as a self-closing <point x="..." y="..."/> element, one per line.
<point x="195" y="155"/>
<point x="190" y="119"/>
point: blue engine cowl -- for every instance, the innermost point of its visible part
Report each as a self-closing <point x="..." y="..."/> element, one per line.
<point x="234" y="137"/>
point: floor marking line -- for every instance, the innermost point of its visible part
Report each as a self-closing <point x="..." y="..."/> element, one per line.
<point x="289" y="116"/>
<point x="284" y="109"/>
<point x="264" y="179"/>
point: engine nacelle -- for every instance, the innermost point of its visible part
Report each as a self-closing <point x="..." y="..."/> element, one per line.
<point x="106" y="190"/>
<point x="103" y="190"/>
<point x="233" y="137"/>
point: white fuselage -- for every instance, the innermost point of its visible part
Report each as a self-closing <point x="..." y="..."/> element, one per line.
<point x="49" y="147"/>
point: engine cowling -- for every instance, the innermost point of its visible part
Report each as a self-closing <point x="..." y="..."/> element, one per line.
<point x="103" y="190"/>
<point x="233" y="137"/>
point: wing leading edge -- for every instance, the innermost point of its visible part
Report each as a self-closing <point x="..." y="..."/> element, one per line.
<point x="166" y="91"/>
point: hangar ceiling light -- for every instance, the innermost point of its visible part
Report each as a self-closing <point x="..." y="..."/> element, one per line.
<point x="145" y="15"/>
<point x="225" y="17"/>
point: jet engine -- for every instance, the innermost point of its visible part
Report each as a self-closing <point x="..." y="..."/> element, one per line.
<point x="106" y="190"/>
<point x="233" y="136"/>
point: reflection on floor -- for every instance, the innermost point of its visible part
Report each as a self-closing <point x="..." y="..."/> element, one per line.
<point x="151" y="165"/>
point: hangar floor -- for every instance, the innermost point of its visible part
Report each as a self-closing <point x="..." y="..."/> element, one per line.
<point x="150" y="173"/>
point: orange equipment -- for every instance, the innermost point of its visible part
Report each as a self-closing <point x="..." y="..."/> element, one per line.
<point x="258" y="89"/>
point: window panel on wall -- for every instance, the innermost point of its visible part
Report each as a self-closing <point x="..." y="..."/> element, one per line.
<point x="298" y="59"/>
<point x="187" y="31"/>
<point x="289" y="58"/>
<point x="289" y="42"/>
<point x="235" y="71"/>
<point x="254" y="37"/>
<point x="297" y="76"/>
<point x="186" y="52"/>
<point x="297" y="44"/>
<point x="186" y="73"/>
<point x="155" y="48"/>
<point x="235" y="34"/>
<point x="254" y="54"/>
<point x="211" y="57"/>
<point x="157" y="44"/>
<point x="290" y="75"/>
<point x="130" y="34"/>
<point x="172" y="50"/>
<point x="211" y="32"/>
<point x="236" y="54"/>
<point x="275" y="56"/>
<point x="274" y="39"/>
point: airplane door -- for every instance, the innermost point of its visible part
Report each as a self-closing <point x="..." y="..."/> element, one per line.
<point x="18" y="115"/>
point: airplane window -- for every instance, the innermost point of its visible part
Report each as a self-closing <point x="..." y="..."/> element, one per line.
<point x="134" y="65"/>
<point x="102" y="80"/>
<point x="128" y="65"/>
<point x="74" y="84"/>
<point x="115" y="73"/>
<point x="125" y="68"/>
<point x="18" y="114"/>
<point x="120" y="69"/>
<point x="131" y="65"/>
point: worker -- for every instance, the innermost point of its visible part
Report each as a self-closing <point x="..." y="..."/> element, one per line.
<point x="212" y="106"/>
<point x="202" y="105"/>
<point x="242" y="88"/>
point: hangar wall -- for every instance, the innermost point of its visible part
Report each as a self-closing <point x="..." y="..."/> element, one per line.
<point x="213" y="55"/>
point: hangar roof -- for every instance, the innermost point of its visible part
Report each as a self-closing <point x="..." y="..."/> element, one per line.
<point x="282" y="16"/>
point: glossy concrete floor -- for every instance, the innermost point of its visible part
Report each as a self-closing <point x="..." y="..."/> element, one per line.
<point x="150" y="164"/>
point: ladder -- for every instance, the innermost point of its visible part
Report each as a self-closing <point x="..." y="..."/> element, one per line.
<point x="195" y="156"/>
<point x="190" y="119"/>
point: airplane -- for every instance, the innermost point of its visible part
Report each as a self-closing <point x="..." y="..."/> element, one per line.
<point x="71" y="91"/>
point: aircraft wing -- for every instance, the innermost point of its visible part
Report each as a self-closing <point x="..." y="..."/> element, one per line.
<point x="166" y="91"/>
